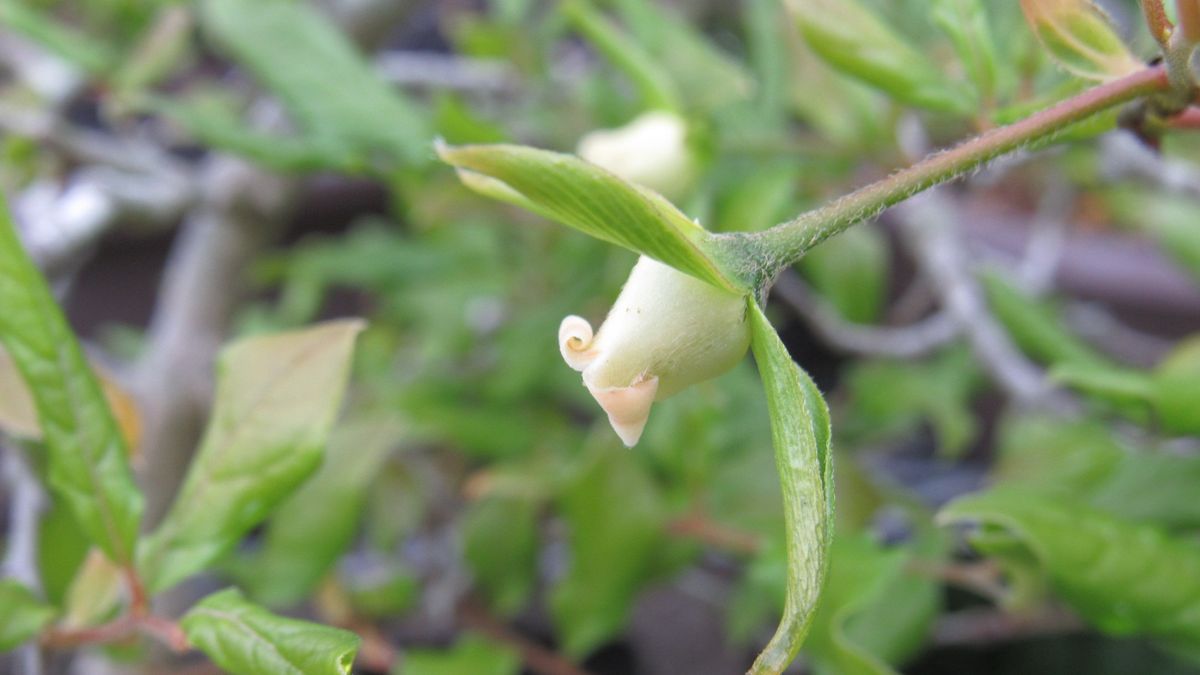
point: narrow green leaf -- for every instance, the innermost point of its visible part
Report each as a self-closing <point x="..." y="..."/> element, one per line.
<point x="245" y="639"/>
<point x="291" y="561"/>
<point x="857" y="42"/>
<point x="22" y="614"/>
<point x="214" y="121"/>
<point x="472" y="655"/>
<point x="801" y="434"/>
<point x="966" y="24"/>
<point x="653" y="84"/>
<point x="277" y="397"/>
<point x="322" y="80"/>
<point x="1080" y="37"/>
<point x="86" y="454"/>
<point x="583" y="196"/>
<point x="1170" y="218"/>
<point x="23" y="17"/>
<point x="704" y="75"/>
<point x="1125" y="578"/>
<point x="1177" y="389"/>
<point x="1036" y="328"/>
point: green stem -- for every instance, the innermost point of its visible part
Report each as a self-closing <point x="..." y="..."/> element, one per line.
<point x="785" y="243"/>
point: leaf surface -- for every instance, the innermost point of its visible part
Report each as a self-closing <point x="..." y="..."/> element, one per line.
<point x="277" y="397"/>
<point x="573" y="192"/>
<point x="87" y="460"/>
<point x="801" y="435"/>
<point x="245" y="639"/>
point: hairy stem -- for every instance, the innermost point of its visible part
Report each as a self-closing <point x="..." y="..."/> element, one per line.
<point x="783" y="244"/>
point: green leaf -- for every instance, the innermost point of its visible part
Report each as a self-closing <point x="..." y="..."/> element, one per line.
<point x="1036" y="328"/>
<point x="583" y="196"/>
<point x="615" y="515"/>
<point x="857" y="42"/>
<point x="706" y="77"/>
<point x="91" y="55"/>
<point x="1169" y="393"/>
<point x="1169" y="218"/>
<point x="1125" y="578"/>
<point x="1080" y="37"/>
<point x="1177" y="389"/>
<point x="245" y="639"/>
<point x="214" y="121"/>
<point x="291" y="561"/>
<point x="277" y="397"/>
<point x="655" y="87"/>
<point x="86" y="454"/>
<point x="471" y="655"/>
<point x="801" y="435"/>
<point x="851" y="271"/>
<point x="22" y="614"/>
<point x="1084" y="460"/>
<point x="322" y="80"/>
<point x="874" y="612"/>
<point x="966" y="24"/>
<point x="500" y="547"/>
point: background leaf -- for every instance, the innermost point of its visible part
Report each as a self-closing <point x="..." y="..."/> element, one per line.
<point x="615" y="517"/>
<point x="277" y="397"/>
<point x="857" y="42"/>
<point x="1124" y="577"/>
<point x="245" y="639"/>
<point x="86" y="454"/>
<point x="471" y="655"/>
<point x="800" y="432"/>
<point x="22" y="615"/>
<point x="290" y="562"/>
<point x="326" y="85"/>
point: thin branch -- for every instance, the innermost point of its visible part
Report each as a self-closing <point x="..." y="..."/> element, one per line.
<point x="905" y="342"/>
<point x="929" y="230"/>
<point x="981" y="627"/>
<point x="443" y="71"/>
<point x="537" y="658"/>
<point x="1124" y="156"/>
<point x="698" y="526"/>
<point x="1156" y="20"/>
<point x="1188" y="13"/>
<point x="781" y="245"/>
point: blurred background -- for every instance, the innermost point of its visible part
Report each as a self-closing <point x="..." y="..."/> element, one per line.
<point x="187" y="172"/>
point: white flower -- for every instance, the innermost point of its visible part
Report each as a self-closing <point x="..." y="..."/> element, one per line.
<point x="651" y="151"/>
<point x="666" y="331"/>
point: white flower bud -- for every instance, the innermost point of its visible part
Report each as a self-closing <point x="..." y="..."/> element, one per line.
<point x="651" y="151"/>
<point x="667" y="331"/>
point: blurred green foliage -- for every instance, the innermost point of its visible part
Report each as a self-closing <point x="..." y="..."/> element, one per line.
<point x="461" y="418"/>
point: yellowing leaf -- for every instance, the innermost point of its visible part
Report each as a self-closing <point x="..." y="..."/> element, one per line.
<point x="18" y="416"/>
<point x="1080" y="37"/>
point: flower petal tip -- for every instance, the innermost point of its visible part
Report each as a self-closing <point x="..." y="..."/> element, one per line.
<point x="628" y="408"/>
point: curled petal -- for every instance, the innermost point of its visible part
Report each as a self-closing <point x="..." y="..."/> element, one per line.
<point x="575" y="342"/>
<point x="628" y="408"/>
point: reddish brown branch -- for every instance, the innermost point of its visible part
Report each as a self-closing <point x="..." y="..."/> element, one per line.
<point x="697" y="526"/>
<point x="537" y="658"/>
<point x="1156" y="20"/>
